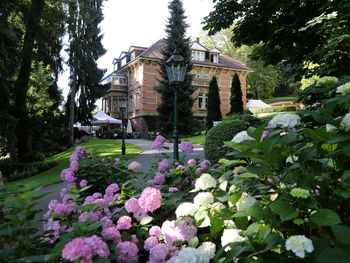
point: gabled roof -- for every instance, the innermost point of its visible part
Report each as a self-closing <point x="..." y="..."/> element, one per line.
<point x="154" y="52"/>
<point x="215" y="50"/>
<point x="197" y="46"/>
<point x="136" y="48"/>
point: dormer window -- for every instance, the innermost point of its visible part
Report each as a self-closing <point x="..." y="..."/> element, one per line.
<point x="214" y="58"/>
<point x="198" y="55"/>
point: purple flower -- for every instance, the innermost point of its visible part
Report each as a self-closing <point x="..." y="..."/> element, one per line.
<point x="192" y="162"/>
<point x="187" y="231"/>
<point x="117" y="162"/>
<point x="84" y="249"/>
<point x="74" y="165"/>
<point x="67" y="175"/>
<point x="111" y="189"/>
<point x="159" y="179"/>
<point x="204" y="165"/>
<point x="264" y="135"/>
<point x="128" y="251"/>
<point x="124" y="222"/>
<point x="158" y="253"/>
<point x="163" y="166"/>
<point x="180" y="167"/>
<point x="186" y="147"/>
<point x="112" y="233"/>
<point x="150" y="199"/>
<point x="150" y="242"/>
<point x="83" y="183"/>
<point x="90" y="215"/>
<point x="61" y="209"/>
<point x="139" y="214"/>
<point x="158" y="143"/>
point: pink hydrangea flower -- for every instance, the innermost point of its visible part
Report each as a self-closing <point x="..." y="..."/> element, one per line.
<point x="205" y="164"/>
<point x="155" y="231"/>
<point x="180" y="167"/>
<point x="128" y="251"/>
<point x="74" y="165"/>
<point x="124" y="222"/>
<point x="186" y="147"/>
<point x="150" y="242"/>
<point x="150" y="199"/>
<point x="132" y="205"/>
<point x="187" y="231"/>
<point x="111" y="189"/>
<point x="192" y="162"/>
<point x="111" y="233"/>
<point x="107" y="222"/>
<point x="158" y="143"/>
<point x="61" y="209"/>
<point x="158" y="253"/>
<point x="67" y="175"/>
<point x="84" y="249"/>
<point x="163" y="166"/>
<point x="90" y="215"/>
<point x="139" y="214"/>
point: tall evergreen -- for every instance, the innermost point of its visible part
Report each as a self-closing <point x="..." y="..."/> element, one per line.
<point x="236" y="101"/>
<point x="213" y="111"/>
<point x="176" y="39"/>
<point x="84" y="17"/>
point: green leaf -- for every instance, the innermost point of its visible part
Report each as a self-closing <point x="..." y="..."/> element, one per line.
<point x="341" y="233"/>
<point x="346" y="175"/>
<point x="146" y="220"/>
<point x="284" y="209"/>
<point x="248" y="175"/>
<point x="325" y="217"/>
<point x="334" y="255"/>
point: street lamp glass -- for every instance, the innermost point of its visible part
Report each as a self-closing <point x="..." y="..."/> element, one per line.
<point x="122" y="102"/>
<point x="176" y="68"/>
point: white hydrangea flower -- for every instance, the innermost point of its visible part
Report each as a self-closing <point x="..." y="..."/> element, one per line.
<point x="330" y="128"/>
<point x="217" y="206"/>
<point x="191" y="255"/>
<point x="230" y="236"/>
<point x="208" y="248"/>
<point x="245" y="202"/>
<point x="345" y="123"/>
<point x="286" y="120"/>
<point x="241" y="136"/>
<point x="344" y="89"/>
<point x="203" y="199"/>
<point x="292" y="159"/>
<point x="229" y="224"/>
<point x="205" y="181"/>
<point x="299" y="244"/>
<point x="185" y="209"/>
<point x="205" y="223"/>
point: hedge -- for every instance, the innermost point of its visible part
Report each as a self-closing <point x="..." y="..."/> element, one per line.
<point x="271" y="109"/>
<point x="214" y="141"/>
<point x="13" y="171"/>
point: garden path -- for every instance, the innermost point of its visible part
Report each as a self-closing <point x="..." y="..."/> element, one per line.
<point x="147" y="157"/>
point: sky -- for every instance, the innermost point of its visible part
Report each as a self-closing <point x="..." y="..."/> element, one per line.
<point x="139" y="23"/>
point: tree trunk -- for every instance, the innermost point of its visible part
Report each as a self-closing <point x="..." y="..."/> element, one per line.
<point x="73" y="92"/>
<point x="22" y="82"/>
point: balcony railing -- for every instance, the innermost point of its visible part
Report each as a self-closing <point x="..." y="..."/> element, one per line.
<point x="116" y="80"/>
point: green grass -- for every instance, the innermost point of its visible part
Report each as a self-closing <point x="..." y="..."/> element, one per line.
<point x="271" y="114"/>
<point x="102" y="147"/>
<point x="197" y="139"/>
<point x="276" y="99"/>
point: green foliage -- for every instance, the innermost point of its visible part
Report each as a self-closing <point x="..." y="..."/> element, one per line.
<point x="236" y="100"/>
<point x="19" y="236"/>
<point x="213" y="110"/>
<point x="271" y="109"/>
<point x="176" y="39"/>
<point x="319" y="33"/>
<point x="214" y="142"/>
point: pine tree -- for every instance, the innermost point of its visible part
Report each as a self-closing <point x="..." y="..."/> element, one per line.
<point x="236" y="101"/>
<point x="176" y="39"/>
<point x="213" y="111"/>
<point x="84" y="17"/>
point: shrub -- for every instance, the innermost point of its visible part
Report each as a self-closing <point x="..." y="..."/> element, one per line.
<point x="33" y="157"/>
<point x="14" y="171"/>
<point x="214" y="141"/>
<point x="271" y="109"/>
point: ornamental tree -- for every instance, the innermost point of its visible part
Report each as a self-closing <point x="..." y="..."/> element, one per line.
<point x="236" y="101"/>
<point x="176" y="39"/>
<point x="213" y="111"/>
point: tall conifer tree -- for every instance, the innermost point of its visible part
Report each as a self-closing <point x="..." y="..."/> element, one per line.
<point x="176" y="39"/>
<point x="236" y="101"/>
<point x="84" y="17"/>
<point x="213" y="111"/>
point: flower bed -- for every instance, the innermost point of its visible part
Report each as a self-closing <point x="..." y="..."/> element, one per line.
<point x="281" y="196"/>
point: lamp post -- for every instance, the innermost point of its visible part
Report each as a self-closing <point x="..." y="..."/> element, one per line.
<point x="122" y="109"/>
<point x="176" y="71"/>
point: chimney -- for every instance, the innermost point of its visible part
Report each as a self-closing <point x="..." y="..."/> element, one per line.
<point x="197" y="40"/>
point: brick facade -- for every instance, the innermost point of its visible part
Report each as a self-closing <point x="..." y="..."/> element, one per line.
<point x="137" y="73"/>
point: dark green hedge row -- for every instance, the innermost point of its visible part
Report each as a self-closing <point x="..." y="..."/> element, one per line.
<point x="271" y="109"/>
<point x="12" y="171"/>
<point x="214" y="141"/>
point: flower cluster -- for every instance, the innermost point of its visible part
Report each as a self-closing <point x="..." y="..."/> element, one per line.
<point x="158" y="143"/>
<point x="285" y="120"/>
<point x="186" y="147"/>
<point x="241" y="136"/>
<point x="299" y="244"/>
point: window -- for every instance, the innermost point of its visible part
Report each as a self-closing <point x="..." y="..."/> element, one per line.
<point x="137" y="102"/>
<point x="132" y="56"/>
<point x="130" y="103"/>
<point x="214" y="58"/>
<point x="202" y="101"/>
<point x="230" y="80"/>
<point x="124" y="61"/>
<point x="198" y="55"/>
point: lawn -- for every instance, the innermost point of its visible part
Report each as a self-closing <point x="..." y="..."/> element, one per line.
<point x="197" y="139"/>
<point x="102" y="147"/>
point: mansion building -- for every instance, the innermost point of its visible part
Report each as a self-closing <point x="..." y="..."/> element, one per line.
<point x="136" y="73"/>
